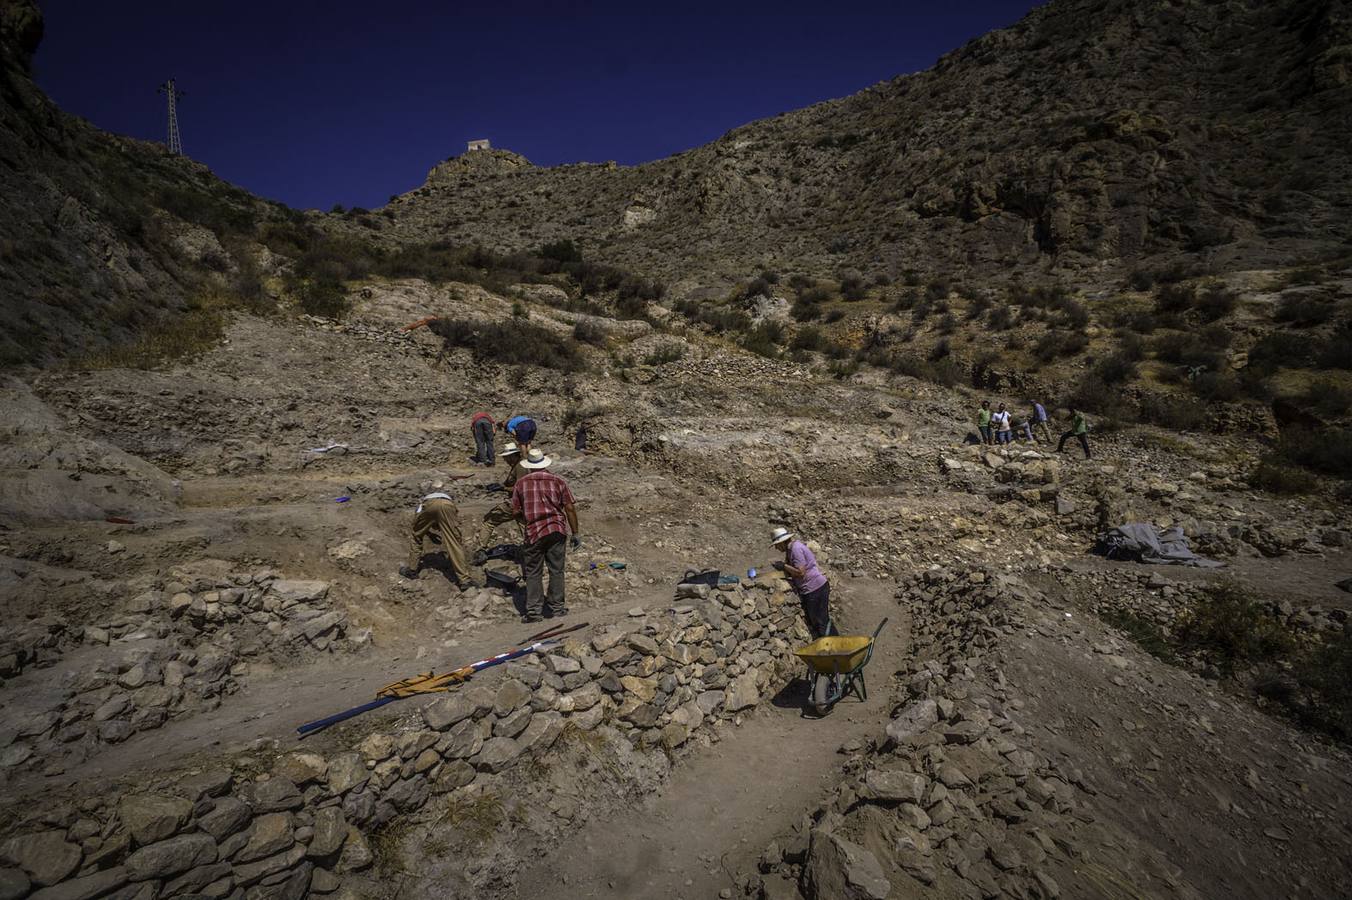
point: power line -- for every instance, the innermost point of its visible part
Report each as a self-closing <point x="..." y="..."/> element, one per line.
<point x="171" y="91"/>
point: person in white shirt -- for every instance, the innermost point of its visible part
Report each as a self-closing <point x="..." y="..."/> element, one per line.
<point x="1000" y="425"/>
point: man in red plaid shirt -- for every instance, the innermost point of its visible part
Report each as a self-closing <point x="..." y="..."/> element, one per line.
<point x="544" y="504"/>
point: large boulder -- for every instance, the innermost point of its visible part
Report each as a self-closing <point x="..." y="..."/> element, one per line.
<point x="840" y="870"/>
<point x="912" y="721"/>
<point x="46" y="856"/>
<point x="178" y="854"/>
<point x="153" y="817"/>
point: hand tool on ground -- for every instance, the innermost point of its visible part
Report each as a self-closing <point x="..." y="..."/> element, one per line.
<point x="427" y="683"/>
<point x="554" y="632"/>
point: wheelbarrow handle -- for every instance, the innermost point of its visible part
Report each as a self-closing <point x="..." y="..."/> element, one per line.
<point x="879" y="628"/>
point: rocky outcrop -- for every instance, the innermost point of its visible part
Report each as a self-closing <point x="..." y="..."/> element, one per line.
<point x="1075" y="138"/>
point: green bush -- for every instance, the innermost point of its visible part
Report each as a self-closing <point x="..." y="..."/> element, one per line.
<point x="1143" y="632"/>
<point x="853" y="288"/>
<point x="515" y="342"/>
<point x="1116" y="369"/>
<point x="843" y="368"/>
<point x="1325" y="678"/>
<point x="1215" y="387"/>
<point x="1279" y="478"/>
<point x="756" y="287"/>
<point x="1280" y="350"/>
<point x="1174" y="298"/>
<point x="669" y="352"/>
<point x="805" y="311"/>
<point x="809" y="338"/>
<point x="323" y="296"/>
<point x="588" y="331"/>
<point x="765" y="339"/>
<point x="1303" y="311"/>
<point x="1231" y="629"/>
<point x="1178" y="413"/>
<point x="1055" y="344"/>
<point x="1186" y="349"/>
<point x="719" y="319"/>
<point x="564" y="251"/>
<point x="1324" y="450"/>
<point x="1328" y="398"/>
<point x="1336" y="353"/>
<point x="1093" y="394"/>
<point x="1216" y="302"/>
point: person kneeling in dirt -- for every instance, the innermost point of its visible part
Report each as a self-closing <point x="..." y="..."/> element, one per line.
<point x="813" y="590"/>
<point x="439" y="518"/>
<point x="502" y="513"/>
<point x="544" y="504"/>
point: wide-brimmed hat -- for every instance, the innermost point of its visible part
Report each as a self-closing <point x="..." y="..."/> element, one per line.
<point x="536" y="459"/>
<point x="510" y="449"/>
<point x="779" y="536"/>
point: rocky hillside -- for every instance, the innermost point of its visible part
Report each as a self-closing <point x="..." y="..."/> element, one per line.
<point x="103" y="237"/>
<point x="1091" y="136"/>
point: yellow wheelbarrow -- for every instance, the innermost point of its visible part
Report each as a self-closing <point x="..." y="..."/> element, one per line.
<point x="836" y="667"/>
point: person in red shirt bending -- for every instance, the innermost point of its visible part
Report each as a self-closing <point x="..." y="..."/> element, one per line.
<point x="544" y="504"/>
<point x="482" y="426"/>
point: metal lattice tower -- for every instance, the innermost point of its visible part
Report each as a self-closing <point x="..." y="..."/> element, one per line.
<point x="171" y="91"/>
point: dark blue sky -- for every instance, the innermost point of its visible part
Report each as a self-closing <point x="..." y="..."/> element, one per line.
<point x="345" y="102"/>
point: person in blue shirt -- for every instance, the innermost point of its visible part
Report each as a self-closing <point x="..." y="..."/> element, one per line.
<point x="522" y="430"/>
<point x="1038" y="420"/>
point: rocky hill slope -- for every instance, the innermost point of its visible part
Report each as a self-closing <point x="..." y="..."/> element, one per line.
<point x="104" y="237"/>
<point x="1091" y="136"/>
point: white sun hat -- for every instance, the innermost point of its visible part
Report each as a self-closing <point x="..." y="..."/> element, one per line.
<point x="779" y="536"/>
<point x="536" y="459"/>
<point x="509" y="449"/>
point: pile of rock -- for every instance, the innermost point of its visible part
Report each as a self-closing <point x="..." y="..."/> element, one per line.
<point x="172" y="653"/>
<point x="1164" y="602"/>
<point x="951" y="797"/>
<point x="38" y="641"/>
<point x="357" y="329"/>
<point x="659" y="681"/>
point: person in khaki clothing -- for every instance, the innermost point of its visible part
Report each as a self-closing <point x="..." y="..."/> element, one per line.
<point x="438" y="517"/>
<point x="502" y="513"/>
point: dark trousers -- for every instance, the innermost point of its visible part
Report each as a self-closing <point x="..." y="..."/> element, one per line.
<point x="817" y="610"/>
<point x="985" y="433"/>
<point x="550" y="551"/>
<point x="1084" y="442"/>
<point x="483" y="442"/>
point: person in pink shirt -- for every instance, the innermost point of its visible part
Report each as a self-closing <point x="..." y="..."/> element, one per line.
<point x="813" y="590"/>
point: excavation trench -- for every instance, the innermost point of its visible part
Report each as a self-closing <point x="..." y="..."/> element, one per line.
<point x="600" y="820"/>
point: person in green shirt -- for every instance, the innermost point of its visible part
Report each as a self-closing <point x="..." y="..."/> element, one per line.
<point x="983" y="421"/>
<point x="1079" y="427"/>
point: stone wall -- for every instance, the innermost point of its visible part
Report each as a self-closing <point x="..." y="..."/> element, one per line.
<point x="664" y="680"/>
<point x="166" y="654"/>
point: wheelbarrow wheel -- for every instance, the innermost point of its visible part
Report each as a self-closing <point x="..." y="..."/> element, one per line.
<point x="821" y="694"/>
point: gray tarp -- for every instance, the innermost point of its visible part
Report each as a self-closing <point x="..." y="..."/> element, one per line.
<point x="1148" y="544"/>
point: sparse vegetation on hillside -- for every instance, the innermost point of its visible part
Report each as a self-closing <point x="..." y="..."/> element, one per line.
<point x="513" y="342"/>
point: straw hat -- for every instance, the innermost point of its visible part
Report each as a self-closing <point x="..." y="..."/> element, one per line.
<point x="536" y="459"/>
<point x="779" y="536"/>
<point x="510" y="449"/>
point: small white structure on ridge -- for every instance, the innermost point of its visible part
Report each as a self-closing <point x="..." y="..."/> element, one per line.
<point x="479" y="145"/>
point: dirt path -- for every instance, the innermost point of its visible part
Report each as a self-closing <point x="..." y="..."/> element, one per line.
<point x="271" y="706"/>
<point x="723" y="804"/>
